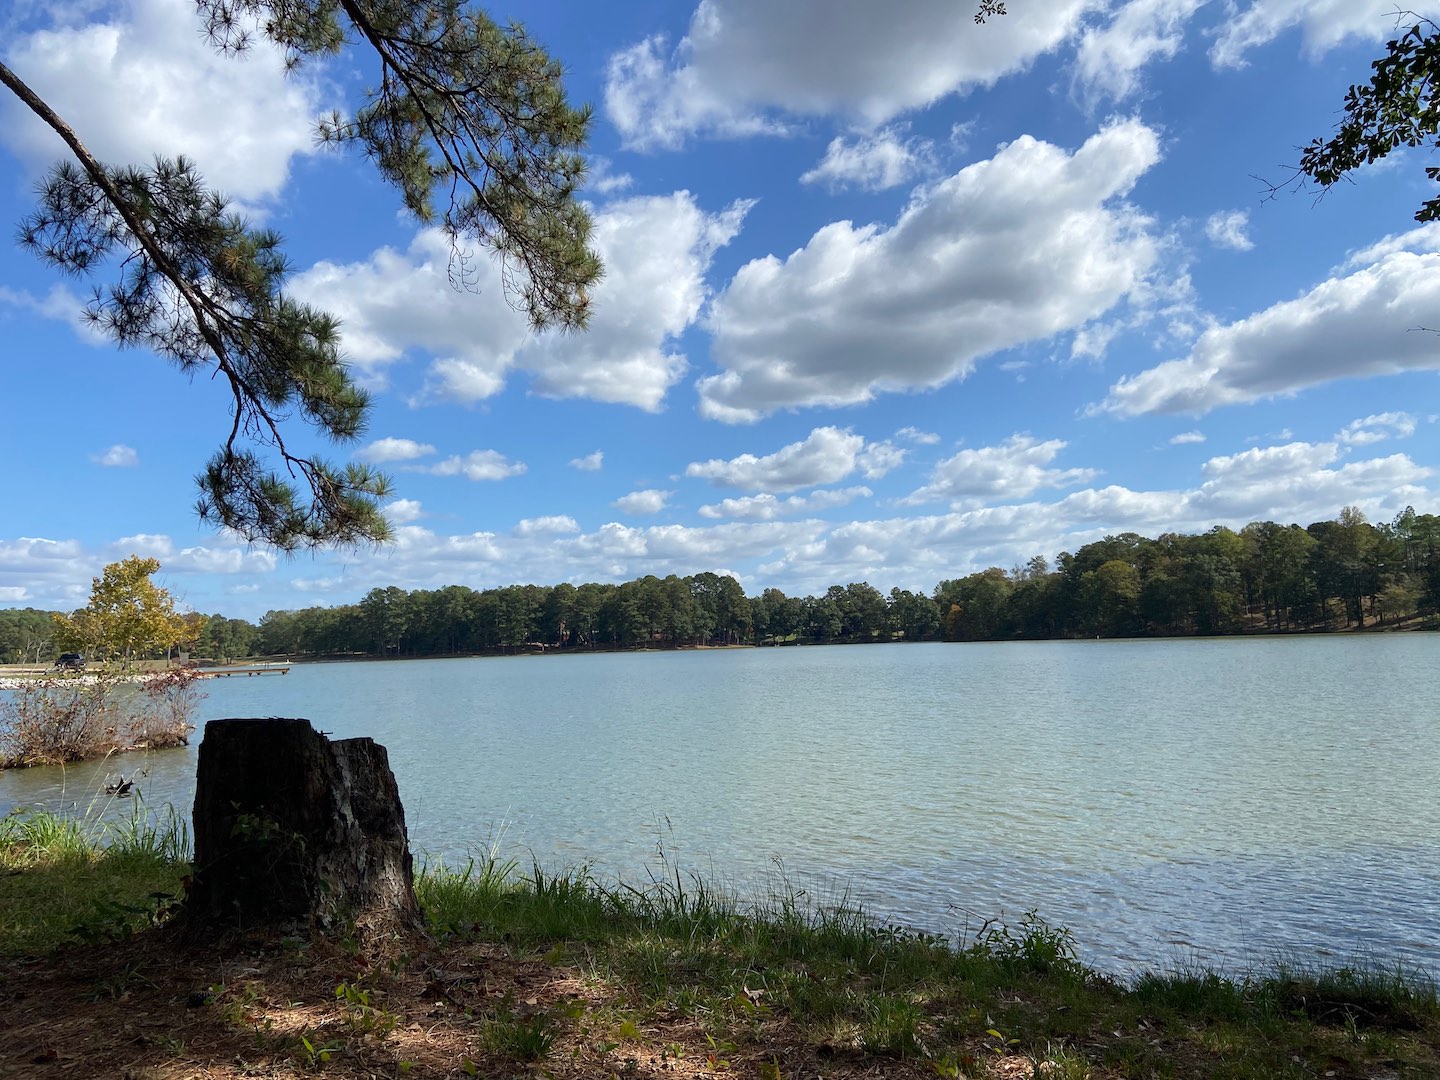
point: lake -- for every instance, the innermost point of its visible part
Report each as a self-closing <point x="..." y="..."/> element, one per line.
<point x="1227" y="802"/>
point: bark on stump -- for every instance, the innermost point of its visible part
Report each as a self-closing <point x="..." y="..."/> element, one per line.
<point x="295" y="831"/>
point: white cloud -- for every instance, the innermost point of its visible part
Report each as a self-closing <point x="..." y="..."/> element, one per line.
<point x="865" y="310"/>
<point x="1228" y="229"/>
<point x="875" y="162"/>
<point x="880" y="458"/>
<point x="1377" y="428"/>
<point x="476" y="465"/>
<point x="1298" y="483"/>
<point x="1350" y="327"/>
<point x="656" y="251"/>
<point x="118" y="456"/>
<point x="590" y="462"/>
<point x="553" y="525"/>
<point x="392" y="449"/>
<point x="614" y="552"/>
<point x="1187" y="438"/>
<point x="602" y="181"/>
<point x="403" y="511"/>
<point x="766" y="507"/>
<point x="1324" y="24"/>
<point x="58" y="303"/>
<point x="649" y="501"/>
<point x="915" y="435"/>
<point x="1013" y="470"/>
<point x="220" y="560"/>
<point x="747" y="66"/>
<point x="1425" y="238"/>
<point x="49" y="573"/>
<point x="1109" y="59"/>
<point x="146" y="545"/>
<point x="825" y="456"/>
<point x="144" y="81"/>
<point x="396" y="302"/>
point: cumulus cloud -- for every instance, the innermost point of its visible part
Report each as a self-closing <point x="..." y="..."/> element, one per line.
<point x="1109" y="58"/>
<point x="48" y="573"/>
<point x="766" y="507"/>
<point x="395" y="302"/>
<point x="864" y="310"/>
<point x="220" y="560"/>
<point x="1324" y="24"/>
<point x="657" y="250"/>
<point x="402" y="511"/>
<point x="118" y="456"/>
<point x="1187" y="438"/>
<point x="649" y="501"/>
<point x="749" y="66"/>
<point x="553" y="525"/>
<point x="1229" y="229"/>
<point x="880" y="458"/>
<point x="590" y="462"/>
<point x="1377" y="428"/>
<point x="392" y="449"/>
<point x="885" y="159"/>
<point x="1013" y="470"/>
<point x="1299" y="482"/>
<point x="1425" y="238"/>
<point x="1346" y="327"/>
<point x="825" y="456"/>
<point x="141" y="80"/>
<point x="476" y="465"/>
<point x="783" y="542"/>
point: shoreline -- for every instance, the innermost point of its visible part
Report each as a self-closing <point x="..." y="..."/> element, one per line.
<point x="573" y="977"/>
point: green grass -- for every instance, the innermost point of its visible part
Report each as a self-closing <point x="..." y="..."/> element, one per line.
<point x="769" y="979"/>
<point x="65" y="879"/>
<point x="845" y="983"/>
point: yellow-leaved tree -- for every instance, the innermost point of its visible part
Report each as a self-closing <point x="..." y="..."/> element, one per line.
<point x="128" y="615"/>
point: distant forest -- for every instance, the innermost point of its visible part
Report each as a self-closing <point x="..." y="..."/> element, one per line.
<point x="1331" y="575"/>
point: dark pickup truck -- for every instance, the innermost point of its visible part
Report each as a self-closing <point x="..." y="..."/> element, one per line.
<point x="70" y="661"/>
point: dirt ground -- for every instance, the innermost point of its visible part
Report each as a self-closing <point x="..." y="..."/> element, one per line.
<point x="154" y="1009"/>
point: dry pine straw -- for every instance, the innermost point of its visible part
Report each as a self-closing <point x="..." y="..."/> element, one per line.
<point x="151" y="1008"/>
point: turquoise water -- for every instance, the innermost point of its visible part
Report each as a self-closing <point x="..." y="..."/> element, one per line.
<point x="1224" y="801"/>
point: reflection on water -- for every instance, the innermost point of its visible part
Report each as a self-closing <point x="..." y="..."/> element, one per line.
<point x="1169" y="800"/>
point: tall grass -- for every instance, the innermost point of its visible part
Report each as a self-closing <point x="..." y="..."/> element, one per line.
<point x="66" y="878"/>
<point x="680" y="946"/>
<point x="738" y="970"/>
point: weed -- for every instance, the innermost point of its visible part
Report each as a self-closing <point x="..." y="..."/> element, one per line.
<point x="121" y="983"/>
<point x="313" y="1054"/>
<point x="1035" y="947"/>
<point x="1060" y="1064"/>
<point x="521" y="1038"/>
<point x="361" y="1012"/>
<point x="891" y="1026"/>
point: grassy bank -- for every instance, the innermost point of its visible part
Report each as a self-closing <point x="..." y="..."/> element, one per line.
<point x="563" y="975"/>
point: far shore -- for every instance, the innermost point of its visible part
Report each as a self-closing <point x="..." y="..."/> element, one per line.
<point x="13" y="676"/>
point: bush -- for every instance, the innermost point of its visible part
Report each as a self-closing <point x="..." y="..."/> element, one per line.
<point x="59" y="720"/>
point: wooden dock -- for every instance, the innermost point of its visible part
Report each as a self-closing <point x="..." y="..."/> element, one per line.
<point x="254" y="669"/>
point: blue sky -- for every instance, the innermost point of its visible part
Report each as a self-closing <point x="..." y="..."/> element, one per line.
<point x="890" y="297"/>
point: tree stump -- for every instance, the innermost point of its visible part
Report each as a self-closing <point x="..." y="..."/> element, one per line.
<point x="294" y="831"/>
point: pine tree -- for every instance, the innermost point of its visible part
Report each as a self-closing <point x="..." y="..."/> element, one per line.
<point x="469" y="120"/>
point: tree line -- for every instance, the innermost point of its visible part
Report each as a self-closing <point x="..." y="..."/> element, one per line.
<point x="1330" y="575"/>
